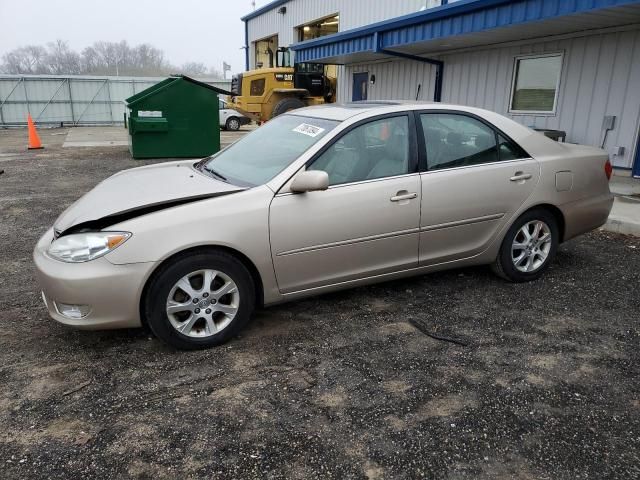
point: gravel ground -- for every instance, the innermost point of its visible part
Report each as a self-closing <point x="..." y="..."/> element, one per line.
<point x="339" y="386"/>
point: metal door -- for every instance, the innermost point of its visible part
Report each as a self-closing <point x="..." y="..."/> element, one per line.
<point x="360" y="82"/>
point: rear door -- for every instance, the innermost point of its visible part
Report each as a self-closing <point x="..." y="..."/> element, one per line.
<point x="474" y="180"/>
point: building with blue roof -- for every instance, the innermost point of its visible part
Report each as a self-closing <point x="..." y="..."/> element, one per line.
<point x="566" y="65"/>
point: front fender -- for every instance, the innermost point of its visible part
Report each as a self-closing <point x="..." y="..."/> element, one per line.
<point x="239" y="221"/>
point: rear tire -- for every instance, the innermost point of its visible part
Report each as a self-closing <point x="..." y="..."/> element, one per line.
<point x="200" y="301"/>
<point x="529" y="247"/>
<point x="286" y="104"/>
<point x="232" y="124"/>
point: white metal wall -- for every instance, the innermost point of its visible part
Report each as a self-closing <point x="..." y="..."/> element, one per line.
<point x="353" y="13"/>
<point x="600" y="76"/>
<point x="70" y="99"/>
<point x="395" y="80"/>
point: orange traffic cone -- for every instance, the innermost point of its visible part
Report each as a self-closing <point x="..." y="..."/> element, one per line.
<point x="34" y="139"/>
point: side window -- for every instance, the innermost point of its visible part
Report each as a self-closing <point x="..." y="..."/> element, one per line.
<point x="257" y="87"/>
<point x="454" y="140"/>
<point x="374" y="150"/>
<point x="508" y="150"/>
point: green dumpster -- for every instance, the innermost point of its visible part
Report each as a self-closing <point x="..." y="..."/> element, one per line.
<point x="177" y="117"/>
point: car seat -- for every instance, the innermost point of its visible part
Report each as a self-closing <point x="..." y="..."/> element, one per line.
<point x="342" y="159"/>
<point x="393" y="159"/>
<point x="433" y="140"/>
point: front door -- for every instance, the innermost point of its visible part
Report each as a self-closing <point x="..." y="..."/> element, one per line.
<point x="360" y="82"/>
<point x="476" y="179"/>
<point x="365" y="224"/>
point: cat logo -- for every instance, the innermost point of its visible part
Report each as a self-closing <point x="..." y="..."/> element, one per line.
<point x="284" y="77"/>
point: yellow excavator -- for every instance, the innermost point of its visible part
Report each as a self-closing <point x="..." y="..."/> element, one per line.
<point x="265" y="93"/>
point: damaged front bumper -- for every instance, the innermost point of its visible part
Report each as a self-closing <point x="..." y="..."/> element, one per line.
<point x="91" y="295"/>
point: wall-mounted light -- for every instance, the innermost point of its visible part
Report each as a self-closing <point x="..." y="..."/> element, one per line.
<point x="372" y="80"/>
<point x="282" y="10"/>
<point x="306" y="28"/>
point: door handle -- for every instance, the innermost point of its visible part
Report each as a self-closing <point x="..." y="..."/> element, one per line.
<point x="519" y="176"/>
<point x="403" y="196"/>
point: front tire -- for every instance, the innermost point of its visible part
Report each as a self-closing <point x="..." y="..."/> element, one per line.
<point x="232" y="124"/>
<point x="529" y="247"/>
<point x="200" y="301"/>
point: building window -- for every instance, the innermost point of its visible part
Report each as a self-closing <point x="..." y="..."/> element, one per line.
<point x="319" y="28"/>
<point x="536" y="79"/>
<point x="265" y="51"/>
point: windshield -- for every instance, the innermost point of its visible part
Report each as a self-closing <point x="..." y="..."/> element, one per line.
<point x="261" y="155"/>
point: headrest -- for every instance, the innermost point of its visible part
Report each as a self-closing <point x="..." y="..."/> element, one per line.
<point x="484" y="142"/>
<point x="351" y="139"/>
<point x="454" y="138"/>
<point x="432" y="135"/>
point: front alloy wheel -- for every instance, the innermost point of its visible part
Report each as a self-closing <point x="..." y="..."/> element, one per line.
<point x="199" y="300"/>
<point x="203" y="303"/>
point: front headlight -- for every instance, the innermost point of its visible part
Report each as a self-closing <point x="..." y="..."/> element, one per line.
<point x="83" y="247"/>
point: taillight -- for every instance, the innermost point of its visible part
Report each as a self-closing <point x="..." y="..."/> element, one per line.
<point x="608" y="169"/>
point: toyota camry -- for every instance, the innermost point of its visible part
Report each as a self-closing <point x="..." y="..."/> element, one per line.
<point x="316" y="200"/>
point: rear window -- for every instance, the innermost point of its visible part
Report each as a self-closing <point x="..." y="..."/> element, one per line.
<point x="454" y="140"/>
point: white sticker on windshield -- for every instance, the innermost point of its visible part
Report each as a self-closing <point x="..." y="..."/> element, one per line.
<point x="307" y="129"/>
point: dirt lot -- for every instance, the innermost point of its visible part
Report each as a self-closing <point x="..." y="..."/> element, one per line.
<point x="340" y="386"/>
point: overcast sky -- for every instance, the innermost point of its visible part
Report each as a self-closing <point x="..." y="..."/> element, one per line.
<point x="207" y="31"/>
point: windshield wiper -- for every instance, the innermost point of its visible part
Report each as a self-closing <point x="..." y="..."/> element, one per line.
<point x="213" y="172"/>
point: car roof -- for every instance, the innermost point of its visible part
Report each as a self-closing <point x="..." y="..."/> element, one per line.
<point x="344" y="111"/>
<point x="361" y="110"/>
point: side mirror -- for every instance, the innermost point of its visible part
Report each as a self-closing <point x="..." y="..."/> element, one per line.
<point x="310" y="181"/>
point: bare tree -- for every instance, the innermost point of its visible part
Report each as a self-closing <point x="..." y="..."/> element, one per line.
<point x="60" y="60"/>
<point x="214" y="73"/>
<point x="100" y="58"/>
<point x="193" y="68"/>
<point x="27" y="60"/>
<point x="109" y="58"/>
<point x="106" y="58"/>
<point x="146" y="56"/>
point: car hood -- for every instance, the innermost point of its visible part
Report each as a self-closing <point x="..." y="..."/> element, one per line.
<point x="139" y="191"/>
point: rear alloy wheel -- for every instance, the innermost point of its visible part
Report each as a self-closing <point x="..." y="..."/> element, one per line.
<point x="531" y="246"/>
<point x="528" y="247"/>
<point x="233" y="124"/>
<point x="200" y="301"/>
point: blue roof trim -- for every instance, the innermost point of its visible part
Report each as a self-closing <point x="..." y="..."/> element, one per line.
<point x="460" y="6"/>
<point x="461" y="17"/>
<point x="264" y="9"/>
